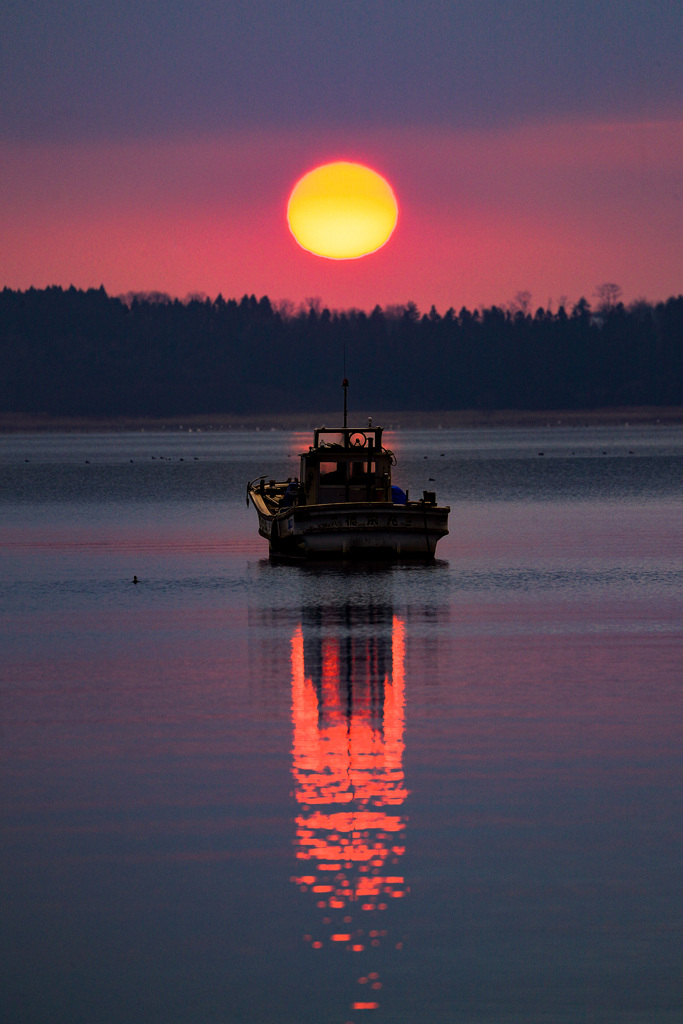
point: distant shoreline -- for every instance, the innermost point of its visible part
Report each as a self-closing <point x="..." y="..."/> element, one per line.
<point x="629" y="415"/>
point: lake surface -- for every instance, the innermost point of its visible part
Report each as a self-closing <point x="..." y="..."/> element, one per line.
<point x="242" y="792"/>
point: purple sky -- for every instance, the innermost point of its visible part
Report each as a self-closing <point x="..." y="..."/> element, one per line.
<point x="532" y="145"/>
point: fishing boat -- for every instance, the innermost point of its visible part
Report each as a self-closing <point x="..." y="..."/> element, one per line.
<point x="343" y="504"/>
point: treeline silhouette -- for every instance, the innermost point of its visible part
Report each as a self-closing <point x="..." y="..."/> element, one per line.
<point x="85" y="353"/>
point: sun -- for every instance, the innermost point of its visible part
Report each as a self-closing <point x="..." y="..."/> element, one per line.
<point x="342" y="211"/>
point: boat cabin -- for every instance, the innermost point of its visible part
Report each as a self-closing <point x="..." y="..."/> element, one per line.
<point x="345" y="464"/>
<point x="344" y="506"/>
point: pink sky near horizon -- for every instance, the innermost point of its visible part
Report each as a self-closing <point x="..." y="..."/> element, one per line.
<point x="554" y="209"/>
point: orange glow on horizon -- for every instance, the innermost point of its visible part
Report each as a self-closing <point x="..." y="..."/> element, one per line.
<point x="552" y="208"/>
<point x="342" y="211"/>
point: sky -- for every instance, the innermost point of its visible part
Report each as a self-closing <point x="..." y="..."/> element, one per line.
<point x="532" y="146"/>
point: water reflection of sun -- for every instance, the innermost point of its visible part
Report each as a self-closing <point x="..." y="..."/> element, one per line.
<point x="348" y="716"/>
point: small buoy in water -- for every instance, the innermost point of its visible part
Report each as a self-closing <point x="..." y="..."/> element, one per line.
<point x="87" y="462"/>
<point x="196" y="459"/>
<point x="432" y="479"/>
<point x="541" y="453"/>
<point x="25" y="460"/>
<point x="131" y="460"/>
<point x="135" y="579"/>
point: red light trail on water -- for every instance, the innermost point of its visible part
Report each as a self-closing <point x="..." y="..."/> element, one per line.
<point x="348" y="772"/>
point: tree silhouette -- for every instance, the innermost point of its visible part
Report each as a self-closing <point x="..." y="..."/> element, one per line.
<point x="608" y="295"/>
<point x="84" y="353"/>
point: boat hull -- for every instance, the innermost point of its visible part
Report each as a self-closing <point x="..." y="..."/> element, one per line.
<point x="361" y="531"/>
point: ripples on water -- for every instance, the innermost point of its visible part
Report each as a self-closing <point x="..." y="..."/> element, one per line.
<point x="248" y="793"/>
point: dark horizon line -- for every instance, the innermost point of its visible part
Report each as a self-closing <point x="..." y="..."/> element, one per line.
<point x="609" y="296"/>
<point x="76" y="353"/>
<point x="401" y="419"/>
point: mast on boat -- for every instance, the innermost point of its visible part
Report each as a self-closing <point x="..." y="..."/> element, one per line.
<point x="345" y="382"/>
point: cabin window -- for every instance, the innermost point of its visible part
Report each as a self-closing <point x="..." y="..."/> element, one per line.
<point x="332" y="472"/>
<point x="361" y="469"/>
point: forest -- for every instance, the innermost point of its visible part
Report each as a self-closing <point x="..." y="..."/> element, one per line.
<point x="86" y="353"/>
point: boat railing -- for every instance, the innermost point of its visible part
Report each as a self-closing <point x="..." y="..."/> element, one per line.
<point x="352" y="437"/>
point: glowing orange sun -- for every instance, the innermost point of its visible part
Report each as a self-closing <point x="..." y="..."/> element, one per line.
<point x="342" y="211"/>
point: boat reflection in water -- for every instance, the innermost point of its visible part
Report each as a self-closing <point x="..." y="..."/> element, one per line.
<point x="348" y="716"/>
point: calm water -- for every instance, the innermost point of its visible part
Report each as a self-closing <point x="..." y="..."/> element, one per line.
<point x="250" y="793"/>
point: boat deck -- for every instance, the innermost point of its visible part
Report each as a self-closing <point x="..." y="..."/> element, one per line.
<point x="364" y="530"/>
